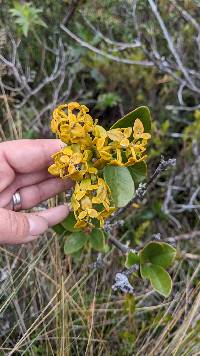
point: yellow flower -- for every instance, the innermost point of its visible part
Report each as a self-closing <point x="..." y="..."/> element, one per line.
<point x="73" y="105"/>
<point x="54" y="125"/>
<point x="80" y="224"/>
<point x="115" y="135"/>
<point x="87" y="209"/>
<point x="128" y="131"/>
<point x="82" y="188"/>
<point x="89" y="148"/>
<point x="115" y="162"/>
<point x="106" y="156"/>
<point x="84" y="108"/>
<point x="100" y="141"/>
<point x="75" y="203"/>
<point x="102" y="194"/>
<point x="104" y="215"/>
<point x="99" y="131"/>
<point x="90" y="169"/>
<point x="55" y="169"/>
<point x="138" y="130"/>
<point x="70" y="127"/>
<point x="120" y="135"/>
<point x="68" y="164"/>
<point x="87" y="196"/>
<point x="124" y="142"/>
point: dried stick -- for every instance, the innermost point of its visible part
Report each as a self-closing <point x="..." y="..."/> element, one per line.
<point x="103" y="53"/>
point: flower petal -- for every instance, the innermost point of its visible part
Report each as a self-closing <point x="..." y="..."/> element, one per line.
<point x="82" y="215"/>
<point x="92" y="213"/>
<point x="54" y="169"/>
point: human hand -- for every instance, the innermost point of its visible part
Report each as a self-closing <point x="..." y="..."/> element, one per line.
<point x="23" y="168"/>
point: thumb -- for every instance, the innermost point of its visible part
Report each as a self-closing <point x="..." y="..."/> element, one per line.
<point x="18" y="228"/>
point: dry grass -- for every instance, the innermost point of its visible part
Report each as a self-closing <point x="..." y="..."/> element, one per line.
<point x="51" y="306"/>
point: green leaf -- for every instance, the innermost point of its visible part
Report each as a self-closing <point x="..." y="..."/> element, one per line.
<point x="107" y="100"/>
<point x="131" y="259"/>
<point x="69" y="223"/>
<point x="75" y="242"/>
<point x="97" y="240"/>
<point x="159" y="278"/>
<point x="77" y="255"/>
<point x="138" y="172"/>
<point x="158" y="253"/>
<point x="26" y="17"/>
<point x="128" y="120"/>
<point x="59" y="229"/>
<point x="120" y="183"/>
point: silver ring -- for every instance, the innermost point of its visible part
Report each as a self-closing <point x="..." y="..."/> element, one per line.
<point x="16" y="200"/>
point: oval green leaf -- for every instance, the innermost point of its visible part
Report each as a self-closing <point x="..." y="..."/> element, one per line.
<point x="77" y="255"/>
<point x="138" y="172"/>
<point x="128" y="120"/>
<point x="120" y="183"/>
<point x="159" y="278"/>
<point x="69" y="223"/>
<point x="97" y="240"/>
<point x="158" y="253"/>
<point x="132" y="258"/>
<point x="59" y="229"/>
<point x="75" y="242"/>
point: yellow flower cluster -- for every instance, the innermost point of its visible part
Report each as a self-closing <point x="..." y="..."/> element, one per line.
<point x="91" y="201"/>
<point x="89" y="148"/>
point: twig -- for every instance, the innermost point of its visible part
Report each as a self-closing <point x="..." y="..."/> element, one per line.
<point x="117" y="46"/>
<point x="123" y="248"/>
<point x="103" y="53"/>
<point x="71" y="10"/>
<point x="184" y="237"/>
<point x="171" y="45"/>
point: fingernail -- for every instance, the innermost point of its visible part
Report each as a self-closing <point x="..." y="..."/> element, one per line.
<point x="37" y="225"/>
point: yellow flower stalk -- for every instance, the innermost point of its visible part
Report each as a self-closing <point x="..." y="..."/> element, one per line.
<point x="88" y="149"/>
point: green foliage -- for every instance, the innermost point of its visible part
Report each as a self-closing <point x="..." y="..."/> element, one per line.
<point x="97" y="240"/>
<point x="26" y="17"/>
<point x="141" y="113"/>
<point x="107" y="100"/>
<point x="120" y="183"/>
<point x="192" y="132"/>
<point x="159" y="278"/>
<point x="75" y="242"/>
<point x="158" y="253"/>
<point x="69" y="223"/>
<point x="59" y="229"/>
<point x="131" y="259"/>
<point x="160" y="138"/>
<point x="154" y="258"/>
<point x="138" y="172"/>
<point x="140" y="231"/>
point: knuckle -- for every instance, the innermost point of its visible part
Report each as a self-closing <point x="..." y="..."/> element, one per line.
<point x="15" y="225"/>
<point x="18" y="224"/>
<point x="39" y="196"/>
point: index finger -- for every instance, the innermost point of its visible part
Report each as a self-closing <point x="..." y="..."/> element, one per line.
<point x="26" y="156"/>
